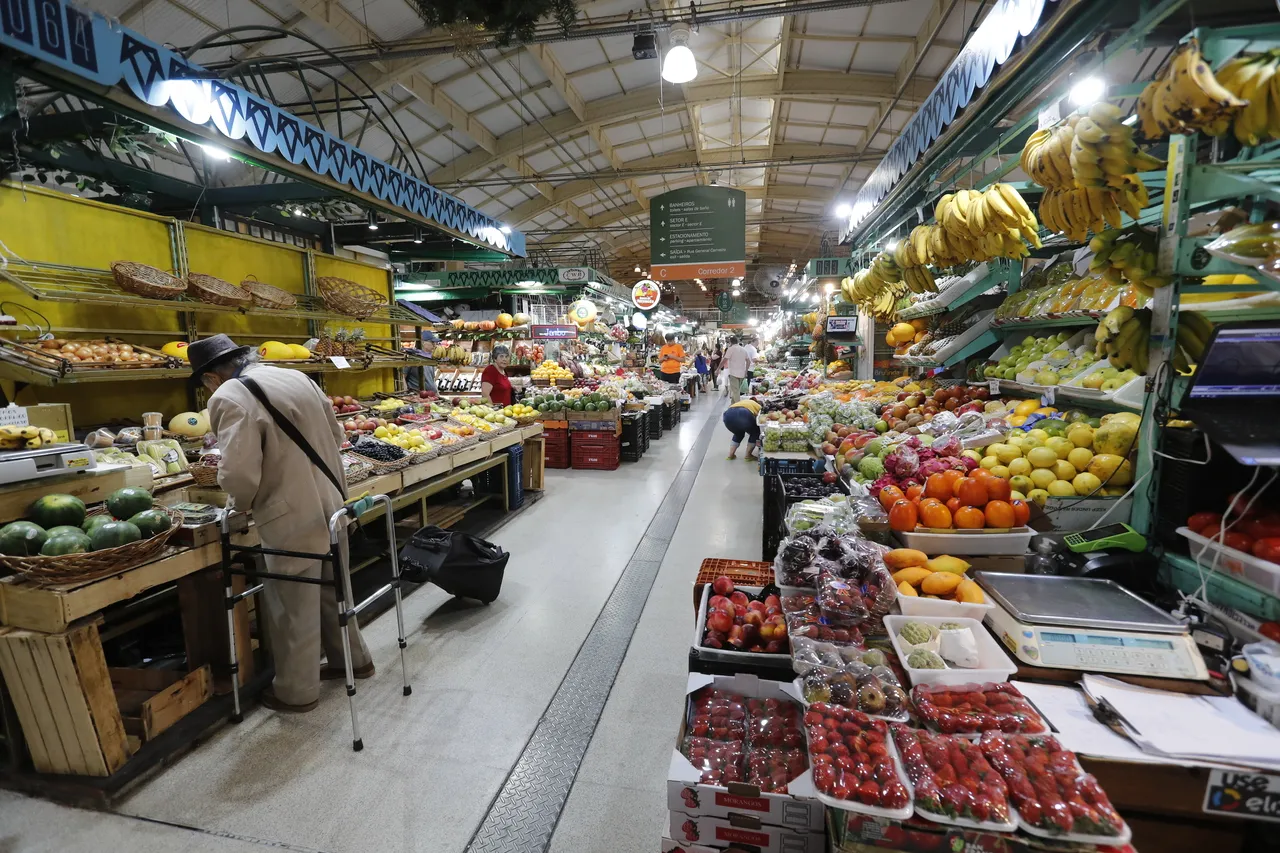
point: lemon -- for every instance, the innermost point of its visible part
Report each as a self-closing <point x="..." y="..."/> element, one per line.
<point x="1081" y="435"/>
<point x="1060" y="445"/>
<point x="1017" y="495"/>
<point x="1039" y="435"/>
<point x="1021" y="465"/>
<point x="1039" y="496"/>
<point x="381" y="432"/>
<point x="1007" y="453"/>
<point x="1021" y="483"/>
<point x="1042" y="457"/>
<point x="1062" y="489"/>
<point x="1042" y="477"/>
<point x="1085" y="483"/>
<point x="1064" y="470"/>
<point x="1080" y="458"/>
<point x="989" y="462"/>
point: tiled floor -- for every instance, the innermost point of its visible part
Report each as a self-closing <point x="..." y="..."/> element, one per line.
<point x="481" y="676"/>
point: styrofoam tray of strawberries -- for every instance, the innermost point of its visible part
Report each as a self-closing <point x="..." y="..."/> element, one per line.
<point x="1050" y="791"/>
<point x="854" y="762"/>
<point x="952" y="781"/>
<point x="968" y="710"/>
<point x="734" y="738"/>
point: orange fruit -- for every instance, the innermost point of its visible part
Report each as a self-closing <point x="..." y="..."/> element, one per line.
<point x="998" y="488"/>
<point x="938" y="486"/>
<point x="1021" y="512"/>
<point x="953" y="505"/>
<point x="970" y="518"/>
<point x="935" y="515"/>
<point x="951" y="475"/>
<point x="972" y="492"/>
<point x="902" y="516"/>
<point x="914" y="491"/>
<point x="890" y="495"/>
<point x="1000" y="514"/>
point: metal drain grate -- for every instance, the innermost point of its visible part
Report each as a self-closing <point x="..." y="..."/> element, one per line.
<point x="523" y="816"/>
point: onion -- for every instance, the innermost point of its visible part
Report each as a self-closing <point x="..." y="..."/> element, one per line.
<point x="85" y="352"/>
<point x="126" y="348"/>
<point x="50" y="344"/>
<point x="70" y="346"/>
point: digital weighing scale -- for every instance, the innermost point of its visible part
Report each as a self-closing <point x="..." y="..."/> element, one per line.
<point x="52" y="459"/>
<point x="1088" y="624"/>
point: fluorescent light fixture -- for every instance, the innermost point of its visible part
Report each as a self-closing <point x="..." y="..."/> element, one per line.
<point x="505" y="229"/>
<point x="637" y="268"/>
<point x="753" y="321"/>
<point x="844" y="211"/>
<point x="1088" y="91"/>
<point x="814" y="300"/>
<point x="891" y="246"/>
<point x="679" y="66"/>
<point x="373" y="221"/>
<point x="214" y="152"/>
<point x="830" y="287"/>
<point x="736" y="292"/>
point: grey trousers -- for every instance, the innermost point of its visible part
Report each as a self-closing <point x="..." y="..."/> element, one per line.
<point x="735" y="388"/>
<point x="301" y="619"/>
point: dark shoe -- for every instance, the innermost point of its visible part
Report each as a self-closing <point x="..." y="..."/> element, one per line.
<point x="337" y="673"/>
<point x="270" y="700"/>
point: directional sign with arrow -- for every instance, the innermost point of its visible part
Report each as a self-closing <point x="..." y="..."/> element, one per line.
<point x="698" y="232"/>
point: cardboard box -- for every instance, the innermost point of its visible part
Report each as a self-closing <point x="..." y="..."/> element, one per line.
<point x="1083" y="513"/>
<point x="54" y="416"/>
<point x="745" y="831"/>
<point x="797" y="810"/>
<point x="669" y="846"/>
<point x="851" y="832"/>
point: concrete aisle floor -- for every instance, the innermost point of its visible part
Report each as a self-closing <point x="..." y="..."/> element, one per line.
<point x="482" y="677"/>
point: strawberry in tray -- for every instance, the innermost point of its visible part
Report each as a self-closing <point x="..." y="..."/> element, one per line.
<point x="1049" y="788"/>
<point x="771" y="769"/>
<point x="974" y="708"/>
<point x="850" y="757"/>
<point x="952" y="777"/>
<point x="718" y="715"/>
<point x="774" y="723"/>
<point x="720" y="762"/>
<point x="811" y="623"/>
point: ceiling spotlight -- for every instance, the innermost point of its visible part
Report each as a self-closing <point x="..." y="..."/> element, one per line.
<point x="214" y="152"/>
<point x="844" y="211"/>
<point x="417" y="235"/>
<point x="680" y="66"/>
<point x="736" y="292"/>
<point x="1088" y="91"/>
<point x="505" y="229"/>
<point x="737" y="282"/>
<point x="373" y="221"/>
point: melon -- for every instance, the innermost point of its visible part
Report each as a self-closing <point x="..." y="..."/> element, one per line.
<point x="22" y="539"/>
<point x="93" y="522"/>
<point x="113" y="534"/>
<point x="299" y="351"/>
<point x="151" y="522"/>
<point x="176" y="349"/>
<point x="520" y="320"/>
<point x="75" y="542"/>
<point x="63" y="529"/>
<point x="190" y="424"/>
<point x="54" y="510"/>
<point x="275" y="351"/>
<point x="128" y="502"/>
<point x="504" y="321"/>
<point x="487" y="325"/>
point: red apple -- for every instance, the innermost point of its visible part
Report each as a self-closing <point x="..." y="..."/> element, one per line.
<point x="718" y="620"/>
<point x="738" y="597"/>
<point x="722" y="586"/>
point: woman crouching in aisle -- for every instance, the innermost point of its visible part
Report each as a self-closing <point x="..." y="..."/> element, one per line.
<point x="740" y="419"/>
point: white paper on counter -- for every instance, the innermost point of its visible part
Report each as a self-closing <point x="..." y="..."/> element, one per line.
<point x="1207" y="728"/>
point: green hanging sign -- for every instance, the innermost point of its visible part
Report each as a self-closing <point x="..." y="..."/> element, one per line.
<point x="724" y="301"/>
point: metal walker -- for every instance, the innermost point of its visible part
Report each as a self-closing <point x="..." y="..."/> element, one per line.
<point x="341" y="584"/>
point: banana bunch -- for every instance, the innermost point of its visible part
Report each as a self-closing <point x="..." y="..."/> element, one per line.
<point x="1193" y="335"/>
<point x="1253" y="78"/>
<point x="1127" y="256"/>
<point x="1188" y="97"/>
<point x="877" y="289"/>
<point x="919" y="279"/>
<point x="973" y="226"/>
<point x="1122" y="338"/>
<point x="1103" y="153"/>
<point x="1046" y="157"/>
<point x="26" y="437"/>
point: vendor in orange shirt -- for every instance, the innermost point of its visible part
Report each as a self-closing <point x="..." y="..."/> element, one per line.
<point x="671" y="358"/>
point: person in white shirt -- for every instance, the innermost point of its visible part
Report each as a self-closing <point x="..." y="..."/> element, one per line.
<point x="737" y="364"/>
<point x="751" y="350"/>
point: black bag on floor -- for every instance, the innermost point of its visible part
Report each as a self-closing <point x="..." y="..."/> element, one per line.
<point x="459" y="563"/>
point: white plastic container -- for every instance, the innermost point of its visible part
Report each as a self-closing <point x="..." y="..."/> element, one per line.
<point x="1263" y="702"/>
<point x="915" y="605"/>
<point x="1261" y="573"/>
<point x="969" y="542"/>
<point x="731" y="655"/>
<point x="993" y="664"/>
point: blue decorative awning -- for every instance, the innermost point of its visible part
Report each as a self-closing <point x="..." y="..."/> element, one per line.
<point x="100" y="51"/>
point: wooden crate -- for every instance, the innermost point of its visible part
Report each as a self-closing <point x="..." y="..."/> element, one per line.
<point x="62" y="692"/>
<point x="535" y="464"/>
<point x="90" y="487"/>
<point x="152" y="700"/>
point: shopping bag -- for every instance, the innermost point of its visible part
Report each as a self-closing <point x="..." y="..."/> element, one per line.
<point x="459" y="563"/>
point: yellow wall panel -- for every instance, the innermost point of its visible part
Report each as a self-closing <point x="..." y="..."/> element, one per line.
<point x="233" y="259"/>
<point x="373" y="277"/>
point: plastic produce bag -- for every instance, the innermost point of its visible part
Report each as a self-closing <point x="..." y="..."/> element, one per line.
<point x="807" y="655"/>
<point x="840" y="601"/>
<point x="957" y="646"/>
<point x="459" y="563"/>
<point x="792" y="560"/>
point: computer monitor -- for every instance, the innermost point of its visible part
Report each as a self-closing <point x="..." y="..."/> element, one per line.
<point x="1239" y="362"/>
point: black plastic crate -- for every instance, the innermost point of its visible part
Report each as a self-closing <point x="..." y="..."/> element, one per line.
<point x="490" y="481"/>
<point x="654" y="416"/>
<point x="792" y="466"/>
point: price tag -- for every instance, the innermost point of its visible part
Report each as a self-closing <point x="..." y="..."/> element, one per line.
<point x="339" y="362"/>
<point x="1050" y="115"/>
<point x="1047" y="399"/>
<point x="993" y="387"/>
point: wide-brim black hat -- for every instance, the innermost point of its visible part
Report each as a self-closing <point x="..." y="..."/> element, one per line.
<point x="207" y="354"/>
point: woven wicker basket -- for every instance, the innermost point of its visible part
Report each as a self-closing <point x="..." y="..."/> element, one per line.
<point x="92" y="565"/>
<point x="268" y="295"/>
<point x="347" y="297"/>
<point x="215" y="291"/>
<point x="356" y="468"/>
<point x="381" y="467"/>
<point x="204" y="475"/>
<point x="147" y="281"/>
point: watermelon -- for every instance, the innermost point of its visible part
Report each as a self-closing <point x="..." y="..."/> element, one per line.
<point x="22" y="539"/>
<point x="57" y="510"/>
<point x="93" y="522"/>
<point x="63" y="529"/>
<point x="151" y="522"/>
<point x="114" y="534"/>
<point x="75" y="542"/>
<point x="128" y="502"/>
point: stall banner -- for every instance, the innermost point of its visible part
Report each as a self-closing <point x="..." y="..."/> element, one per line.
<point x="102" y="52"/>
<point x="698" y="232"/>
<point x="554" y="333"/>
<point x="989" y="46"/>
<point x="646" y="295"/>
<point x="1254" y="796"/>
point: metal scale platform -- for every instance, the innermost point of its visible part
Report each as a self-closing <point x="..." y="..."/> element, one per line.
<point x="48" y="461"/>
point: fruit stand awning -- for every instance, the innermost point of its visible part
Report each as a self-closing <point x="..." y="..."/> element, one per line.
<point x="106" y="61"/>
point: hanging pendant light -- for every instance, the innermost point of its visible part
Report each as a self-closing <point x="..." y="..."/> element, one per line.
<point x="679" y="66"/>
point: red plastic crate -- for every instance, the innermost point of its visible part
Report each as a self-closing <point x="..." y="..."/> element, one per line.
<point x="589" y="437"/>
<point x="557" y="461"/>
<point x="596" y="456"/>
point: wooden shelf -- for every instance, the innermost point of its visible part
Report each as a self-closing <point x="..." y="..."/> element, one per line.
<point x="20" y="371"/>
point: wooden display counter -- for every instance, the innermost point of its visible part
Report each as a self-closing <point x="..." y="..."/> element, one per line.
<point x="81" y="718"/>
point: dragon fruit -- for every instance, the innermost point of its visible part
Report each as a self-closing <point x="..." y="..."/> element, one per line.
<point x="969" y="462"/>
<point x="933" y="466"/>
<point x="903" y="462"/>
<point x="948" y="446"/>
<point x="879" y="483"/>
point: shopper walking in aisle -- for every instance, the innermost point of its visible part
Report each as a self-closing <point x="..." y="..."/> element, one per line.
<point x="268" y="471"/>
<point x="740" y="419"/>
<point x="703" y="365"/>
<point x="737" y="364"/>
<point x="717" y="359"/>
<point x="671" y="360"/>
<point x="495" y="387"/>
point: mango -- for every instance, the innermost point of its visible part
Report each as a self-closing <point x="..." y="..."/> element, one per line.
<point x="912" y="575"/>
<point x="969" y="592"/>
<point x="947" y="563"/>
<point x="902" y="558"/>
<point x="905" y="588"/>
<point x="941" y="583"/>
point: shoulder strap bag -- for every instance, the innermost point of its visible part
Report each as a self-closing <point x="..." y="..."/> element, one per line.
<point x="289" y="429"/>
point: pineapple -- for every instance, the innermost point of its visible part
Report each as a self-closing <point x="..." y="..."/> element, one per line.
<point x="355" y="343"/>
<point x="325" y="346"/>
<point x="340" y="342"/>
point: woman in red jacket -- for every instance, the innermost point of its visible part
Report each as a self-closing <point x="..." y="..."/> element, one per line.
<point x="495" y="387"/>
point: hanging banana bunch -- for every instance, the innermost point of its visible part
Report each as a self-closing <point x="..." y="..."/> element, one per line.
<point x="1188" y="97"/>
<point x="1128" y="256"/>
<point x="973" y="225"/>
<point x="1193" y="335"/>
